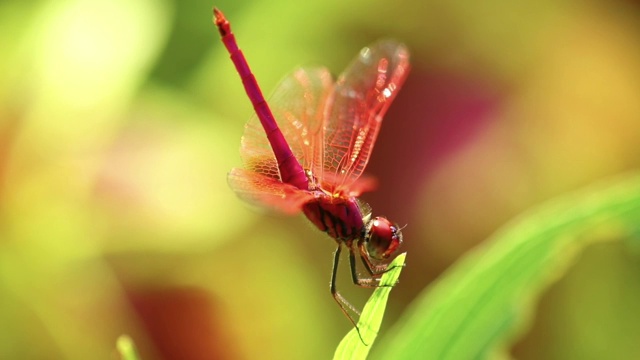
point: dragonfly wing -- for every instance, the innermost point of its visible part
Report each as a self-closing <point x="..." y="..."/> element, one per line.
<point x="267" y="192"/>
<point x="362" y="95"/>
<point x="298" y="105"/>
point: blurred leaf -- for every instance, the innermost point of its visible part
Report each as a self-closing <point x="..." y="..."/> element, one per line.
<point x="351" y="346"/>
<point x="84" y="71"/>
<point x="72" y="76"/>
<point x="127" y="348"/>
<point x="479" y="305"/>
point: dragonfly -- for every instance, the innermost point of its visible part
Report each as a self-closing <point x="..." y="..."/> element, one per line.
<point x="312" y="160"/>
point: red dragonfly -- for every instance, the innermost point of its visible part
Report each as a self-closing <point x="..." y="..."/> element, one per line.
<point x="314" y="160"/>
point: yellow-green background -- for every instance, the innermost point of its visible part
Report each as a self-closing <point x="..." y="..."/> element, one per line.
<point x="120" y="119"/>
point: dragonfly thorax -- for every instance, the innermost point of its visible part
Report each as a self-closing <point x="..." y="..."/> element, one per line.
<point x="381" y="238"/>
<point x="349" y="219"/>
<point x="339" y="217"/>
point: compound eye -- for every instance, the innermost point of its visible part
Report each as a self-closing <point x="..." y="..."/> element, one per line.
<point x="382" y="238"/>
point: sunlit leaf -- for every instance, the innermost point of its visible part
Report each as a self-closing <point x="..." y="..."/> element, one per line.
<point x="482" y="302"/>
<point x="352" y="346"/>
<point x="126" y="348"/>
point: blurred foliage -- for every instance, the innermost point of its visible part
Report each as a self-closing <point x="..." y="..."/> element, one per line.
<point x="126" y="348"/>
<point x="478" y="306"/>
<point x="119" y="121"/>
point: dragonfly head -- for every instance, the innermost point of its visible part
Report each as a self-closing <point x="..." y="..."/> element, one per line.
<point x="382" y="238"/>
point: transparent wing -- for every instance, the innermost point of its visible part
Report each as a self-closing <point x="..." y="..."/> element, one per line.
<point x="267" y="192"/>
<point x="361" y="97"/>
<point x="298" y="105"/>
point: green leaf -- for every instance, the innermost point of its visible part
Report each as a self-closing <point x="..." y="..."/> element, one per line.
<point x="351" y="346"/>
<point x="484" y="300"/>
<point x="126" y="348"/>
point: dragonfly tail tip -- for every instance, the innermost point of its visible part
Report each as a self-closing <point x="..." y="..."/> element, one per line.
<point x="221" y="22"/>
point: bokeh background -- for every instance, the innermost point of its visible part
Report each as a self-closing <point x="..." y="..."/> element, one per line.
<point x="120" y="119"/>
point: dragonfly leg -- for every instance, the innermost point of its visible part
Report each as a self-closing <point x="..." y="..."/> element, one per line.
<point x="375" y="270"/>
<point x="368" y="282"/>
<point x="345" y="306"/>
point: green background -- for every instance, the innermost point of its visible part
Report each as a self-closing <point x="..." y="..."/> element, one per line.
<point x="120" y="119"/>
